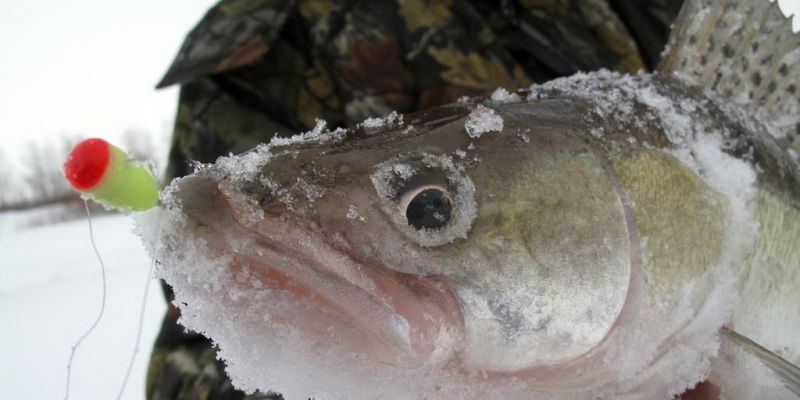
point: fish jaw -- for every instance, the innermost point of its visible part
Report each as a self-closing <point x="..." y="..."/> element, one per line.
<point x="398" y="318"/>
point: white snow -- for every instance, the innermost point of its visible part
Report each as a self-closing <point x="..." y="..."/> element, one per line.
<point x="404" y="171"/>
<point x="353" y="214"/>
<point x="501" y="95"/>
<point x="50" y="294"/>
<point x="373" y="123"/>
<point x="246" y="166"/>
<point x="482" y="120"/>
<point x="389" y="121"/>
<point x="235" y="170"/>
<point x="746" y="377"/>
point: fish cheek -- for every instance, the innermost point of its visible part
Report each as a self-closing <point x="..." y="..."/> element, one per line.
<point x="545" y="270"/>
<point x="559" y="204"/>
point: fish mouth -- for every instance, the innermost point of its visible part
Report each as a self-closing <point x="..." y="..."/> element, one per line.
<point x="397" y="318"/>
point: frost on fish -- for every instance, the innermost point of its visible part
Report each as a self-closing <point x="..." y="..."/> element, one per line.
<point x="585" y="242"/>
<point x="705" y="146"/>
<point x="353" y="214"/>
<point x="502" y="95"/>
<point x="580" y="317"/>
<point x="546" y="274"/>
<point x="376" y="123"/>
<point x="574" y="264"/>
<point x="482" y="120"/>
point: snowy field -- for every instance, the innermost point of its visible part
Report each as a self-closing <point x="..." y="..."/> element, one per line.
<point x="50" y="294"/>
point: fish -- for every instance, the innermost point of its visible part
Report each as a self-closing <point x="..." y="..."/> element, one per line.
<point x="596" y="236"/>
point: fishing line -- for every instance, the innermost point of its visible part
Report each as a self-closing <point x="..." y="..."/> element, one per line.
<point x="106" y="174"/>
<point x="102" y="304"/>
<point x="142" y="311"/>
<point x="139" y="329"/>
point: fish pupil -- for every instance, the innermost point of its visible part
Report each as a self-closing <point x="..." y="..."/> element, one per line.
<point x="430" y="209"/>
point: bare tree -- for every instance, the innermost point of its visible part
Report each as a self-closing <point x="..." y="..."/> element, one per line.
<point x="139" y="145"/>
<point x="6" y="195"/>
<point x="42" y="170"/>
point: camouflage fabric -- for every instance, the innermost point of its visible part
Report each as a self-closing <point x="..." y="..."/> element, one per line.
<point x="252" y="69"/>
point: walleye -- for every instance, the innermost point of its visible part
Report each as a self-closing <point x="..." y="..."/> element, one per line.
<point x="589" y="237"/>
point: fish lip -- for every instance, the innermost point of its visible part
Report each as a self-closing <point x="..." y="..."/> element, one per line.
<point x="375" y="299"/>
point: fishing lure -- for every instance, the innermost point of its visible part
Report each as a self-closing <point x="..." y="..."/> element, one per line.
<point x="105" y="173"/>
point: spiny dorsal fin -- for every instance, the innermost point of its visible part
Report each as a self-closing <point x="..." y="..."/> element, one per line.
<point x="744" y="51"/>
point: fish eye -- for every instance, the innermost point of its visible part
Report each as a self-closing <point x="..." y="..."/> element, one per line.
<point x="428" y="197"/>
<point x="427" y="207"/>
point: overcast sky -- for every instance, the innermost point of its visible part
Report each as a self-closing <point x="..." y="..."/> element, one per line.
<point x="89" y="67"/>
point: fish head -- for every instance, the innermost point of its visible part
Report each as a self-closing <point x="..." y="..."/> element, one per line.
<point x="509" y="251"/>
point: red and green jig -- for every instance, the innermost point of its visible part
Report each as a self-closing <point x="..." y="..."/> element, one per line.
<point x="104" y="173"/>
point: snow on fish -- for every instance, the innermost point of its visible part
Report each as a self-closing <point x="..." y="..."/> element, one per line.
<point x="598" y="236"/>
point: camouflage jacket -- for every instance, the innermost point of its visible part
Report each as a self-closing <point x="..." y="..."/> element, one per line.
<point x="252" y="69"/>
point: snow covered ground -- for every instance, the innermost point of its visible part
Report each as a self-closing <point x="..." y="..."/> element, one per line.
<point x="50" y="291"/>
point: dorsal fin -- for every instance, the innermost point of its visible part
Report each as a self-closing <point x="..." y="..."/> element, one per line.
<point x="744" y="51"/>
